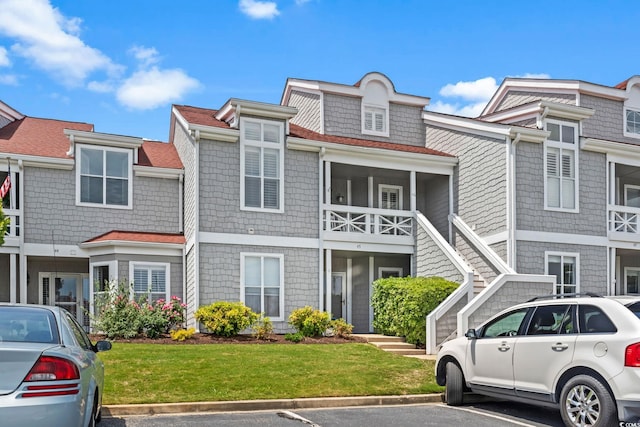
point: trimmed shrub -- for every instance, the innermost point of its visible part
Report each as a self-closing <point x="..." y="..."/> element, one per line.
<point x="226" y="319"/>
<point x="401" y="305"/>
<point x="310" y="322"/>
<point x="296" y="337"/>
<point x="341" y="328"/>
<point x="182" y="334"/>
<point x="263" y="329"/>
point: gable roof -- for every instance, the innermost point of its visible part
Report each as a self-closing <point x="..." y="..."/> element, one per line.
<point x="138" y="237"/>
<point x="159" y="154"/>
<point x="300" y="132"/>
<point x="200" y="116"/>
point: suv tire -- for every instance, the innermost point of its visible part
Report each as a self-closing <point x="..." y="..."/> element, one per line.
<point x="454" y="391"/>
<point x="584" y="401"/>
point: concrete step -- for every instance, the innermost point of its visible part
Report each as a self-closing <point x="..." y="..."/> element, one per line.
<point x="395" y="345"/>
<point x="389" y="345"/>
<point x="406" y="352"/>
<point x="380" y="338"/>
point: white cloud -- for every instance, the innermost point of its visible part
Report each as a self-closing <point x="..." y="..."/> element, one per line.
<point x="50" y="40"/>
<point x="535" y="76"/>
<point x="301" y="2"/>
<point x="9" y="79"/>
<point x="259" y="9"/>
<point x="481" y="89"/>
<point x="4" y="57"/>
<point x="145" y="56"/>
<point x="152" y="88"/>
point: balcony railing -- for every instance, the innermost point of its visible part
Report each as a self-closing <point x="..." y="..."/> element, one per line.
<point x="354" y="219"/>
<point x="624" y="219"/>
<point x="14" y="227"/>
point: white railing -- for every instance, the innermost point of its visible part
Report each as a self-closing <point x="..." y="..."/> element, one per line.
<point x="354" y="219"/>
<point x="14" y="227"/>
<point x="623" y="219"/>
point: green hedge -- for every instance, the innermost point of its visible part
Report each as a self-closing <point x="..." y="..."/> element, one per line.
<point x="401" y="305"/>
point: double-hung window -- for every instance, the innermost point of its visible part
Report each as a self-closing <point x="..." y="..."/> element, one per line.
<point x="150" y="281"/>
<point x="261" y="159"/>
<point x="104" y="177"/>
<point x="565" y="267"/>
<point x="561" y="167"/>
<point x="262" y="283"/>
<point x="374" y="121"/>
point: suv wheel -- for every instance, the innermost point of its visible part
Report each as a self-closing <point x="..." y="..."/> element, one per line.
<point x="584" y="401"/>
<point x="455" y="385"/>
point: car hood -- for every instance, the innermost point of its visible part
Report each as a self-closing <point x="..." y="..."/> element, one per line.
<point x="16" y="360"/>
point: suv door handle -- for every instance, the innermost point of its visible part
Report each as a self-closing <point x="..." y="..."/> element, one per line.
<point x="504" y="347"/>
<point x="559" y="347"/>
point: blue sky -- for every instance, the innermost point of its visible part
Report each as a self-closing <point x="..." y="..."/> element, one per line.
<point x="120" y="64"/>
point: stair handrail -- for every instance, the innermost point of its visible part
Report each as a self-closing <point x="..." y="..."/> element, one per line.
<point x="464" y="290"/>
<point x="481" y="246"/>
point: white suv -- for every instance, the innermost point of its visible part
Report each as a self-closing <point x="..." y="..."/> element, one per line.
<point x="580" y="353"/>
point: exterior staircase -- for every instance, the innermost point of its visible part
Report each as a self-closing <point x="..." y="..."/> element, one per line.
<point x="396" y="345"/>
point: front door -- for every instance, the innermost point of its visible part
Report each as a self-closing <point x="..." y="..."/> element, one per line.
<point x="67" y="290"/>
<point x="339" y="296"/>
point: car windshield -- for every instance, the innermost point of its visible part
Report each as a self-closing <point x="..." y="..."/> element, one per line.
<point x="635" y="308"/>
<point x="27" y="324"/>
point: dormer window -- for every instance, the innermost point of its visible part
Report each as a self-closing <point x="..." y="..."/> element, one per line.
<point x="374" y="121"/>
<point x="103" y="176"/>
<point x="632" y="121"/>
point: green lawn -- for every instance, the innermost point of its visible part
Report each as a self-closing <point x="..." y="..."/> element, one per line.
<point x="156" y="373"/>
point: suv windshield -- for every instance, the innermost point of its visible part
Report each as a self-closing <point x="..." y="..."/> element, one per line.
<point x="635" y="308"/>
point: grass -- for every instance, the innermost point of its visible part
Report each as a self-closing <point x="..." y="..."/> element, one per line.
<point x="155" y="373"/>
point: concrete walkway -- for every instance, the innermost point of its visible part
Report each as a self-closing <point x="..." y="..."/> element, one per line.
<point x="396" y="345"/>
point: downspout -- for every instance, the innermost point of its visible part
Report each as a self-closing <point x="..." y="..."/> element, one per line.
<point x="181" y="230"/>
<point x="23" y="258"/>
<point x="321" y="262"/>
<point x="511" y="202"/>
<point x="196" y="236"/>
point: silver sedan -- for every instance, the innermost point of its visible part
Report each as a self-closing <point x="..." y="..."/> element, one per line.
<point x="50" y="374"/>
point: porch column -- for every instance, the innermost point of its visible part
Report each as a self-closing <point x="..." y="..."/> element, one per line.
<point x="23" y="279"/>
<point x="372" y="276"/>
<point x="13" y="283"/>
<point x="412" y="191"/>
<point x="370" y="191"/>
<point x="327" y="284"/>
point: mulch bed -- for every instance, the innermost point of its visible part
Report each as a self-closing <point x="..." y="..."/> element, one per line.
<point x="201" y="338"/>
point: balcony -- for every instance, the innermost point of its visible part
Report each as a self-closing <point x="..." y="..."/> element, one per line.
<point x="624" y="223"/>
<point x="360" y="224"/>
<point x="12" y="236"/>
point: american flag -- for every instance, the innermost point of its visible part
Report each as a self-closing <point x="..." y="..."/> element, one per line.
<point x="6" y="186"/>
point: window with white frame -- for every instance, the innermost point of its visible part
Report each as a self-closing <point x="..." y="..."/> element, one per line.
<point x="374" y="121"/>
<point x="104" y="176"/>
<point x="386" y="272"/>
<point x="632" y="196"/>
<point x="390" y="197"/>
<point x="261" y="159"/>
<point x="262" y="283"/>
<point x="150" y="281"/>
<point x="565" y="267"/>
<point x="561" y="166"/>
<point x="632" y="121"/>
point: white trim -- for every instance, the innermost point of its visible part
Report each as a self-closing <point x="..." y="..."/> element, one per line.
<point x="261" y="146"/>
<point x="104" y="151"/>
<point x="46" y="249"/>
<point x="539" y="109"/>
<point x="258" y="240"/>
<point x="155" y="172"/>
<point x="374" y="109"/>
<point x="562" y="256"/>
<point x="618" y="152"/>
<point x="145" y="264"/>
<point x="624" y="124"/>
<point x="377" y="245"/>
<point x="113" y="276"/>
<point x="629" y="187"/>
<point x="344" y="302"/>
<point x="372" y="261"/>
<point x="566" y="238"/>
<point x="383" y="187"/>
<point x="234" y="108"/>
<point x="262" y="256"/>
<point x="499" y="237"/>
<point x="40" y="161"/>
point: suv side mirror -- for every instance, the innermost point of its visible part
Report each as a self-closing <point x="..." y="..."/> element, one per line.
<point x="471" y="334"/>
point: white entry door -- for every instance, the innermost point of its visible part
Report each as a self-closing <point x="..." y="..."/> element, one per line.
<point x="339" y="296"/>
<point x="67" y="290"/>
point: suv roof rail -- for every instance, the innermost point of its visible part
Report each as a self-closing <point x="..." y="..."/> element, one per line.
<point x="560" y="296"/>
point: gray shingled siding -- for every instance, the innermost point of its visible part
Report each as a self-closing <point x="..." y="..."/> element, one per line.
<point x="51" y="206"/>
<point x="529" y="123"/>
<point x="308" y="105"/>
<point x="530" y="212"/>
<point x="448" y="323"/>
<point x="515" y="97"/>
<point x="4" y="121"/>
<point x="509" y="294"/>
<point x="475" y="258"/>
<point x="500" y="249"/>
<point x="190" y="298"/>
<point x="220" y="194"/>
<point x="186" y="151"/>
<point x="220" y="276"/>
<point x="608" y="120"/>
<point x="593" y="262"/>
<point x="342" y="117"/>
<point x="431" y="261"/>
<point x="479" y="180"/>
<point x="432" y="201"/>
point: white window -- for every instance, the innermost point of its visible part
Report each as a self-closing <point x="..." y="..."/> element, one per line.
<point x="561" y="167"/>
<point x="261" y="279"/>
<point x="632" y="196"/>
<point x="386" y="272"/>
<point x="390" y="197"/>
<point x="103" y="177"/>
<point x="565" y="266"/>
<point x="632" y="121"/>
<point x="261" y="160"/>
<point x="150" y="281"/>
<point x="375" y="121"/>
<point x="631" y="280"/>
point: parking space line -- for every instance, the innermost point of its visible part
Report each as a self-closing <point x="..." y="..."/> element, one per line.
<point x="498" y="417"/>
<point x="293" y="416"/>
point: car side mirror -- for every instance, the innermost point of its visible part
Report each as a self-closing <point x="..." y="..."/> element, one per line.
<point x="102" y="346"/>
<point x="471" y="334"/>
